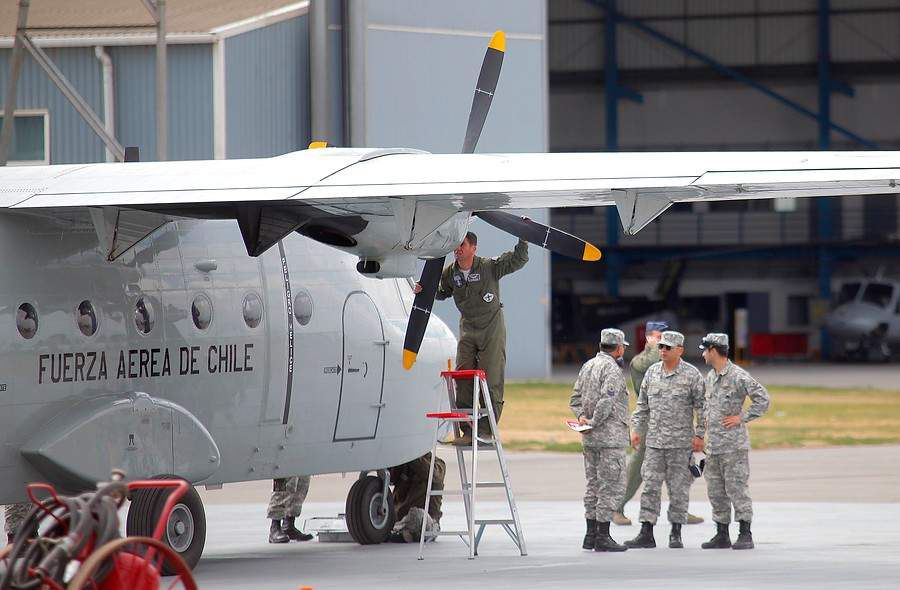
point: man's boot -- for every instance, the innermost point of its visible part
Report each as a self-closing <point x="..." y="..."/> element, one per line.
<point x="590" y="535"/>
<point x="722" y="540"/>
<point x="644" y="540"/>
<point x="620" y="519"/>
<point x="292" y="532"/>
<point x="276" y="535"/>
<point x="694" y="519"/>
<point x="675" y="537"/>
<point x="745" y="538"/>
<point x="10" y="538"/>
<point x="603" y="542"/>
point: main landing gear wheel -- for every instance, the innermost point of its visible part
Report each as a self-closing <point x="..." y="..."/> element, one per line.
<point x="367" y="520"/>
<point x="185" y="530"/>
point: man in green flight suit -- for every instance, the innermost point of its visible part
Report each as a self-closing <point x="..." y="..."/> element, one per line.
<point x="639" y="365"/>
<point x="474" y="284"/>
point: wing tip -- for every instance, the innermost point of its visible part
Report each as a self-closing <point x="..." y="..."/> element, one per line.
<point x="498" y="41"/>
<point x="591" y="253"/>
<point x="409" y="359"/>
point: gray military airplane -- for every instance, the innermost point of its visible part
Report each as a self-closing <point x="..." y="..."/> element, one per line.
<point x="235" y="320"/>
<point x="865" y="320"/>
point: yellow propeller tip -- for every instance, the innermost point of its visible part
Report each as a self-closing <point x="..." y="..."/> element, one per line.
<point x="591" y="253"/>
<point x="317" y="144"/>
<point x="409" y="359"/>
<point x="498" y="41"/>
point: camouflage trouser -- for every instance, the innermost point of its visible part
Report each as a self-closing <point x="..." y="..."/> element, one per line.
<point x="635" y="462"/>
<point x="604" y="470"/>
<point x="287" y="498"/>
<point x="727" y="476"/>
<point x="14" y="515"/>
<point x="670" y="466"/>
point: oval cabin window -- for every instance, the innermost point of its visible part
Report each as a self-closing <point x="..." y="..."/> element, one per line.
<point x="303" y="307"/>
<point x="144" y="316"/>
<point x="202" y="311"/>
<point x="27" y="321"/>
<point x="86" y="318"/>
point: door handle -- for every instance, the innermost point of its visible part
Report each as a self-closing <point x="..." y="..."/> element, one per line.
<point x="379" y="406"/>
<point x="208" y="265"/>
<point x="382" y="342"/>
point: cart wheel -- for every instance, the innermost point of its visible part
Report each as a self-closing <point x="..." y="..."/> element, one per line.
<point x="133" y="563"/>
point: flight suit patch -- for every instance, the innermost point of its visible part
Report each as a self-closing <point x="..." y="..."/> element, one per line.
<point x="458" y="280"/>
<point x="474" y="277"/>
<point x="488" y="297"/>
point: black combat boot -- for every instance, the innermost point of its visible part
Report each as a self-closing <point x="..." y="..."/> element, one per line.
<point x="590" y="535"/>
<point x="644" y="540"/>
<point x="745" y="538"/>
<point x="722" y="540"/>
<point x="603" y="542"/>
<point x="292" y="532"/>
<point x="276" y="535"/>
<point x="675" y="537"/>
<point x="10" y="538"/>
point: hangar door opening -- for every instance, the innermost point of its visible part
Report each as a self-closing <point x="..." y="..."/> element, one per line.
<point x="362" y="377"/>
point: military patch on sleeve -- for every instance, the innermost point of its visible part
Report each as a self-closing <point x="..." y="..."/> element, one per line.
<point x="474" y="277"/>
<point x="611" y="393"/>
<point x="488" y="297"/>
<point x="458" y="280"/>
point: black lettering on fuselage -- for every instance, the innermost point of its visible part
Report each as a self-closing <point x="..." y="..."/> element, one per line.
<point x="167" y="367"/>
<point x="132" y="361"/>
<point x="102" y="373"/>
<point x="79" y="366"/>
<point x="92" y="359"/>
<point x="120" y="373"/>
<point x="194" y="351"/>
<point x="247" y="348"/>
<point x="41" y="367"/>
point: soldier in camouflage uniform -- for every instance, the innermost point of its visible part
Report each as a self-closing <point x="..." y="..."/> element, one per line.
<point x="410" y="487"/>
<point x="671" y="397"/>
<point x="288" y="495"/>
<point x="600" y="399"/>
<point x="639" y="365"/>
<point x="14" y="514"/>
<point x="727" y="469"/>
<point x="474" y="284"/>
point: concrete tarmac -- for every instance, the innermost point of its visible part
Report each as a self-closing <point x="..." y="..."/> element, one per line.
<point x="824" y="518"/>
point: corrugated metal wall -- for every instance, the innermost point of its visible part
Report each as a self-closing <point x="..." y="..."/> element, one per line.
<point x="190" y="100"/>
<point x="267" y="90"/>
<point x="736" y="32"/>
<point x="71" y="140"/>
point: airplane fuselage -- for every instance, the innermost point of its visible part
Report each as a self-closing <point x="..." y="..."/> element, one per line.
<point x="187" y="356"/>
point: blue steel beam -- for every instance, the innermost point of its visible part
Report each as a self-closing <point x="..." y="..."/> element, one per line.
<point x="610" y="9"/>
<point x="824" y="211"/>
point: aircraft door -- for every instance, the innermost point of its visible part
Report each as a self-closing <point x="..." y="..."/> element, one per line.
<point x="362" y="376"/>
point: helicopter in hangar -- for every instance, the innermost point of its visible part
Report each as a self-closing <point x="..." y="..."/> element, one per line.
<point x="143" y="328"/>
<point x="865" y="319"/>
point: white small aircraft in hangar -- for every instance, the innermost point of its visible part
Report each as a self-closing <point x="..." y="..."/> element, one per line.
<point x="142" y="328"/>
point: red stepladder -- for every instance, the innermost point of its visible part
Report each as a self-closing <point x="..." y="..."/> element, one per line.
<point x="468" y="476"/>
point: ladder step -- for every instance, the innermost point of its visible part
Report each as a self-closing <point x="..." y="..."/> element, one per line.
<point x="489" y="484"/>
<point x="430" y="534"/>
<point x="495" y="521"/>
<point x="450" y="493"/>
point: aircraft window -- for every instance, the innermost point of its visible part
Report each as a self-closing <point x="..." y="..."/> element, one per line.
<point x="27" y="321"/>
<point x="303" y="307"/>
<point x="847" y="293"/>
<point x="144" y="316"/>
<point x="879" y="294"/>
<point x="252" y="310"/>
<point x="86" y="318"/>
<point x="202" y="311"/>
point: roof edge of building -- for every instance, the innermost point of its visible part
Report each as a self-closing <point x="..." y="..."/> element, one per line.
<point x="225" y="31"/>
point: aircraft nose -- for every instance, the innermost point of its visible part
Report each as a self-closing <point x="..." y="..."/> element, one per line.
<point x="850" y="323"/>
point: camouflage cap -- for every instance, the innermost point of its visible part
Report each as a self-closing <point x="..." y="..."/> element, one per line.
<point x="714" y="339"/>
<point x="612" y="337"/>
<point x="672" y="338"/>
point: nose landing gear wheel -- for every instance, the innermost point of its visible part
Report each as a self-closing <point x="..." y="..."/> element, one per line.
<point x="185" y="530"/>
<point x="367" y="520"/>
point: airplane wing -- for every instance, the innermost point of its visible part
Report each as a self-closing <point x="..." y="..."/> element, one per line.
<point x="641" y="185"/>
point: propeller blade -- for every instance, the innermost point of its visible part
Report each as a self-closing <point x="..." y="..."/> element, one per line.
<point x="421" y="310"/>
<point x="542" y="235"/>
<point x="484" y="90"/>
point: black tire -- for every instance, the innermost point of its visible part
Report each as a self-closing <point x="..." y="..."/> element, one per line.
<point x="366" y="522"/>
<point x="145" y="510"/>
